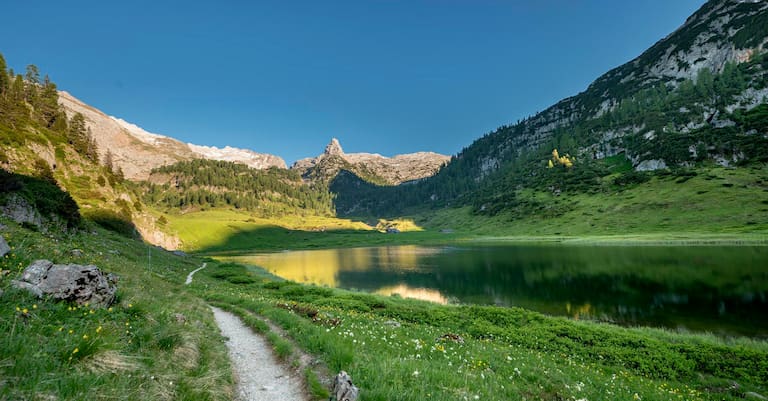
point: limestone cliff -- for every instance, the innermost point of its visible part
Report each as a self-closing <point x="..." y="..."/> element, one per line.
<point x="137" y="151"/>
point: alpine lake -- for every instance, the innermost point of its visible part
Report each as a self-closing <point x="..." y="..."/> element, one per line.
<point x="716" y="289"/>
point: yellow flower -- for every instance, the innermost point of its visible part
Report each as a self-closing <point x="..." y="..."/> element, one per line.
<point x="61" y="328"/>
<point x="92" y="312"/>
<point x="130" y="305"/>
<point x="110" y="309"/>
<point x="34" y="306"/>
<point x="76" y="350"/>
<point x="85" y="336"/>
<point x="25" y="311"/>
<point x="98" y="330"/>
<point x="71" y="331"/>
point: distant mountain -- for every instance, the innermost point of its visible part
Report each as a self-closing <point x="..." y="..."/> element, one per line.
<point x="697" y="96"/>
<point x="137" y="151"/>
<point x="373" y="168"/>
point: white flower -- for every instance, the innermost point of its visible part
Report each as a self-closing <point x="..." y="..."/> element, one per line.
<point x="415" y="373"/>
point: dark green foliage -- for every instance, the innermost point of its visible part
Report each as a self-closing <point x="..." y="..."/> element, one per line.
<point x="631" y="178"/>
<point x="47" y="198"/>
<point x="79" y="136"/>
<point x="270" y="193"/>
<point x="752" y="29"/>
<point x="233" y="273"/>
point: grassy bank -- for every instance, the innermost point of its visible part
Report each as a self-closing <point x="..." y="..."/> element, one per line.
<point x="398" y="349"/>
<point x="714" y="202"/>
<point x="140" y="348"/>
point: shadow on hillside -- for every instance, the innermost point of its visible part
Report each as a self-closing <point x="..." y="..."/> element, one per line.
<point x="275" y="238"/>
<point x="39" y="203"/>
<point x="26" y="197"/>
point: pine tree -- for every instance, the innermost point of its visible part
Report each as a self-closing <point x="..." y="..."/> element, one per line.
<point x="33" y="74"/>
<point x="32" y="82"/>
<point x="108" y="161"/>
<point x="5" y="81"/>
<point x="48" y="103"/>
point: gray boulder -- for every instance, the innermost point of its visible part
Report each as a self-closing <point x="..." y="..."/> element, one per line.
<point x="4" y="248"/>
<point x="76" y="283"/>
<point x="343" y="389"/>
<point x="651" y="165"/>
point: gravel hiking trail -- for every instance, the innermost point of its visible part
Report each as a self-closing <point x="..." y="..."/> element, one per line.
<point x="258" y="374"/>
<point x="192" y="273"/>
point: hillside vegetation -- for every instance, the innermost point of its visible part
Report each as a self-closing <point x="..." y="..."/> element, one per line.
<point x="157" y="341"/>
<point x="739" y="141"/>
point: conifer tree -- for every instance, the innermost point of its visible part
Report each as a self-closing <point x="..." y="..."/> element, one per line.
<point x="48" y="104"/>
<point x="5" y="81"/>
<point x="32" y="82"/>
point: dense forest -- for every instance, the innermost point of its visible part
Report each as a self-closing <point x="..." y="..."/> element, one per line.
<point x="685" y="124"/>
<point x="214" y="184"/>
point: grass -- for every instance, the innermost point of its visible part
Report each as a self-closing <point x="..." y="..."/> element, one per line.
<point x="398" y="349"/>
<point x="136" y="349"/>
<point x="716" y="205"/>
<point x="224" y="231"/>
<point x="717" y="202"/>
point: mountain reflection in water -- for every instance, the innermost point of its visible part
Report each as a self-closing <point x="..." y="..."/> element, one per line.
<point x="721" y="289"/>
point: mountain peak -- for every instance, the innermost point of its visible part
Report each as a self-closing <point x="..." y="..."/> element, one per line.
<point x="334" y="148"/>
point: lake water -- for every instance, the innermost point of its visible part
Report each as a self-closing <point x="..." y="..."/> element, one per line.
<point x="719" y="289"/>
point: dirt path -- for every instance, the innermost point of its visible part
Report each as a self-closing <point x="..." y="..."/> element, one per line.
<point x="258" y="373"/>
<point x="192" y="273"/>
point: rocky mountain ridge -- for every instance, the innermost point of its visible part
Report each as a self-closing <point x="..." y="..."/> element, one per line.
<point x="721" y="32"/>
<point x="137" y="151"/>
<point x="371" y="167"/>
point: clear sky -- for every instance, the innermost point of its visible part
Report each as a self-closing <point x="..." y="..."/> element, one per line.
<point x="283" y="77"/>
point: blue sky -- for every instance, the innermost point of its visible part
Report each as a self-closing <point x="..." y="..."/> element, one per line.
<point x="283" y="77"/>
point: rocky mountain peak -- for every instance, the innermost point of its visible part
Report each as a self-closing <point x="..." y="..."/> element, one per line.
<point x="334" y="148"/>
<point x="137" y="151"/>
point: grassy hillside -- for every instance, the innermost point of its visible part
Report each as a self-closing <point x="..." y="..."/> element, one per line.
<point x="397" y="349"/>
<point x="716" y="201"/>
<point x="136" y="349"/>
<point x="217" y="231"/>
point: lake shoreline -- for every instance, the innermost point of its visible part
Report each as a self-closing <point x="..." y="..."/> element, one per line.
<point x="364" y="240"/>
<point x="414" y="349"/>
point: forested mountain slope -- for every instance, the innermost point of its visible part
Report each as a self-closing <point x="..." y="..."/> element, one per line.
<point x="696" y="97"/>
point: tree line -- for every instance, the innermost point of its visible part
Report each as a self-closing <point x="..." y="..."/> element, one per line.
<point x="213" y="184"/>
<point x="29" y="101"/>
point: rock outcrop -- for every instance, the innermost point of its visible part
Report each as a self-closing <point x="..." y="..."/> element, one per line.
<point x="19" y="210"/>
<point x="370" y="167"/>
<point x="137" y="151"/>
<point x="75" y="283"/>
<point x="343" y="389"/>
<point x="4" y="248"/>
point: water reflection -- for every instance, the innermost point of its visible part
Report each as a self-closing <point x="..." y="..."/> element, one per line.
<point x="719" y="289"/>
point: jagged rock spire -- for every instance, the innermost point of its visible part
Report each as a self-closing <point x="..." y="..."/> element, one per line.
<point x="334" y="148"/>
